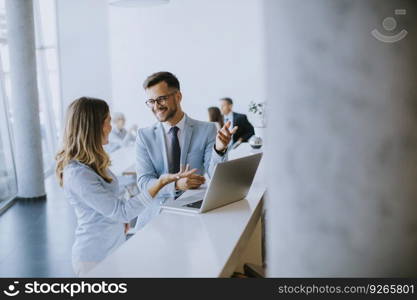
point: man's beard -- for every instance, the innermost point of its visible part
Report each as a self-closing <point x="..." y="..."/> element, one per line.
<point x="169" y="116"/>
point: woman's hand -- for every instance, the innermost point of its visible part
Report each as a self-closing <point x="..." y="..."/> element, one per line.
<point x="165" y="179"/>
<point x="183" y="173"/>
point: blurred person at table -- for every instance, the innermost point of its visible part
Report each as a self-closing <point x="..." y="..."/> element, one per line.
<point x="176" y="139"/>
<point x="245" y="129"/>
<point x="93" y="190"/>
<point x="119" y="136"/>
<point x="216" y="117"/>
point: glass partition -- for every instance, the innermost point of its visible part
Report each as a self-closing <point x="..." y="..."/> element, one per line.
<point x="8" y="186"/>
<point x="50" y="109"/>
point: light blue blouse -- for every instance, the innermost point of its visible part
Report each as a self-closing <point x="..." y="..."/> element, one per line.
<point x="101" y="211"/>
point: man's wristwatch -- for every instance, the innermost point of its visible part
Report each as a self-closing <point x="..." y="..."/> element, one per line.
<point x="221" y="153"/>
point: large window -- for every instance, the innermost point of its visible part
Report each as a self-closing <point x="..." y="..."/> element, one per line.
<point x="8" y="187"/>
<point x="50" y="110"/>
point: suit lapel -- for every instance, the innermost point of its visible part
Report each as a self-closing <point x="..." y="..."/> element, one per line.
<point x="160" y="138"/>
<point x="234" y="120"/>
<point x="188" y="132"/>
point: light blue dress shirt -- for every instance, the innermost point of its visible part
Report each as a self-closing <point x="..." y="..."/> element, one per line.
<point x="101" y="211"/>
<point x="180" y="135"/>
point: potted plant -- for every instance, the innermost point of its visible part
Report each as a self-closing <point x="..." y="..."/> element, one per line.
<point x="258" y="109"/>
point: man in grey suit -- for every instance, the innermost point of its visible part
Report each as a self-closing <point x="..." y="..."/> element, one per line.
<point x="176" y="140"/>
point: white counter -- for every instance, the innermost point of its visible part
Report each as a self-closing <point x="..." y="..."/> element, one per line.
<point x="187" y="245"/>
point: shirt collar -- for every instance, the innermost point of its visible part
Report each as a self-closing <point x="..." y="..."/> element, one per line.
<point x="229" y="116"/>
<point x="180" y="125"/>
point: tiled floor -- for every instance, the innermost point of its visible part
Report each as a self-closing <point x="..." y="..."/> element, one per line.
<point x="36" y="236"/>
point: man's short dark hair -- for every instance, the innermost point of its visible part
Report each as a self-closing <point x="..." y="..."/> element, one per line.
<point x="158" y="77"/>
<point x="228" y="100"/>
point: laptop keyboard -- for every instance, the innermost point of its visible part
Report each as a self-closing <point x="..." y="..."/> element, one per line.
<point x="195" y="204"/>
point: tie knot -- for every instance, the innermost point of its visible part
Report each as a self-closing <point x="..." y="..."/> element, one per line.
<point x="174" y="130"/>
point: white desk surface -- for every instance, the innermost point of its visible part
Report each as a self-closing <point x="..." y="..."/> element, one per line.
<point x="186" y="245"/>
<point x="123" y="159"/>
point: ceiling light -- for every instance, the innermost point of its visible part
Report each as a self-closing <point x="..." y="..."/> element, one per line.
<point x="137" y="3"/>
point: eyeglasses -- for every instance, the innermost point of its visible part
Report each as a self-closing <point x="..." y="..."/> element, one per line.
<point x="161" y="100"/>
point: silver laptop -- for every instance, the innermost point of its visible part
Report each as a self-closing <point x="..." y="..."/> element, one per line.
<point x="230" y="182"/>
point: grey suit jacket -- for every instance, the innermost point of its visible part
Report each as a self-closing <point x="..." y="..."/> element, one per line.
<point x="198" y="151"/>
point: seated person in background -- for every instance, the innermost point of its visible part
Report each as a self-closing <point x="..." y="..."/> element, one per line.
<point x="176" y="139"/>
<point x="93" y="190"/>
<point x="216" y="116"/>
<point x="245" y="129"/>
<point x="120" y="137"/>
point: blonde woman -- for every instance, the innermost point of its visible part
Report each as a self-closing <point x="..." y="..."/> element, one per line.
<point x="92" y="189"/>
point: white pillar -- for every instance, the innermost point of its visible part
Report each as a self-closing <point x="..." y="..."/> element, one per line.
<point x="342" y="138"/>
<point x="24" y="96"/>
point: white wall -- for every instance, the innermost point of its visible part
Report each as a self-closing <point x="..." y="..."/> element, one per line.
<point x="214" y="47"/>
<point x="342" y="155"/>
<point x="83" y="43"/>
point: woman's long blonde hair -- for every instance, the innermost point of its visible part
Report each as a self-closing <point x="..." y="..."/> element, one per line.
<point x="83" y="137"/>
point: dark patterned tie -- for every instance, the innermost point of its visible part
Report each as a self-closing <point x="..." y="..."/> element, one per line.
<point x="175" y="153"/>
